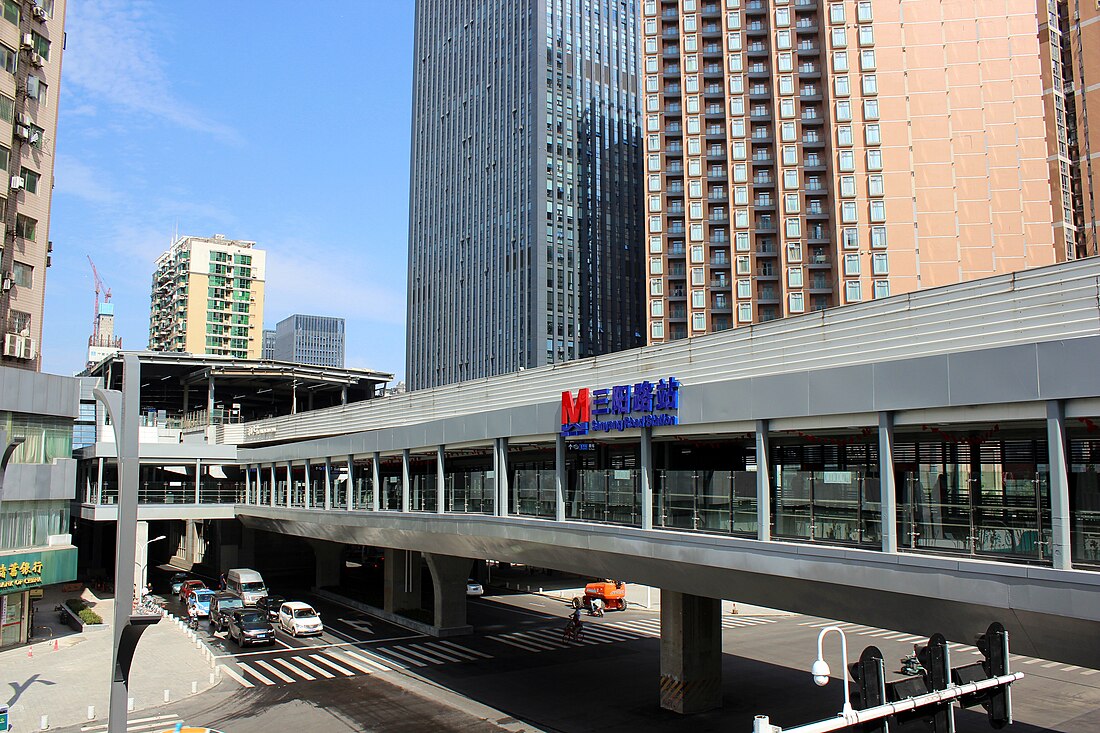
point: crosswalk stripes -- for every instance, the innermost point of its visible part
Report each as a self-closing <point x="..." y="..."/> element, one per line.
<point x="138" y="725"/>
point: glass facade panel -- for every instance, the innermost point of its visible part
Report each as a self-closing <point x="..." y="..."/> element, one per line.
<point x="1083" y="441"/>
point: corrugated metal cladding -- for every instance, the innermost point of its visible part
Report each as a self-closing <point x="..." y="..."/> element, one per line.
<point x="525" y="224"/>
<point x="1034" y="306"/>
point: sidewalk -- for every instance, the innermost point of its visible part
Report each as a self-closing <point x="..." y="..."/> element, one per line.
<point x="566" y="586"/>
<point x="37" y="679"/>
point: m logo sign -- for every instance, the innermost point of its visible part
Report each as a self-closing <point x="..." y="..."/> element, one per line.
<point x="576" y="413"/>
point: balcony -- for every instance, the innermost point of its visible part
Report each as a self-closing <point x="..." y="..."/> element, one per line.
<point x="764" y="202"/>
<point x="711" y="29"/>
<point x="763" y="159"/>
<point x="676" y="250"/>
<point x="759" y="71"/>
<point x="712" y="69"/>
<point x="720" y="284"/>
<point x="760" y="113"/>
<point x="806" y="25"/>
<point x="715" y="131"/>
<point x="674" y="148"/>
<point x="716" y="152"/>
<point x="678" y="312"/>
<point x="711" y="90"/>
<point x="760" y="91"/>
<point x="756" y="28"/>
<point x="720" y="261"/>
<point x="717" y="174"/>
<point x="671" y="70"/>
<point x="757" y="49"/>
<point x="756" y="6"/>
<point x="672" y="89"/>
<point x="765" y="225"/>
<point x="671" y="52"/>
<point x="670" y="14"/>
<point x="713" y="110"/>
<point x="763" y="181"/>
<point x="677" y="273"/>
<point x="809" y="71"/>
<point x="719" y="217"/>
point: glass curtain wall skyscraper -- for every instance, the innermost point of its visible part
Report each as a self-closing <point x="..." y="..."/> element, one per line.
<point x="525" y="225"/>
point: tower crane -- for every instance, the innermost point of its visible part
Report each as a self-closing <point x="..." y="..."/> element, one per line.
<point x="99" y="286"/>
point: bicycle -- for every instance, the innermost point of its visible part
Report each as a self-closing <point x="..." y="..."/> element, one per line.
<point x="572" y="632"/>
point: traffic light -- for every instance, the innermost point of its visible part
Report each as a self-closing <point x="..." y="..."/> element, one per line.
<point x="869" y="674"/>
<point x="997" y="701"/>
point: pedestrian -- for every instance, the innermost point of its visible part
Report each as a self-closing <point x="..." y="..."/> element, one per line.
<point x="221" y="582"/>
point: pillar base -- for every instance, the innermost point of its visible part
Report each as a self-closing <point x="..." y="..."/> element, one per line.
<point x="691" y="653"/>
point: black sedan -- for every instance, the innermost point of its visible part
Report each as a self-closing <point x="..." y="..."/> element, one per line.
<point x="271" y="604"/>
<point x="250" y="626"/>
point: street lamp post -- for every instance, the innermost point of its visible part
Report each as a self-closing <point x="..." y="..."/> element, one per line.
<point x="124" y="410"/>
<point x="820" y="668"/>
<point x="7" y="448"/>
<point x="142" y="566"/>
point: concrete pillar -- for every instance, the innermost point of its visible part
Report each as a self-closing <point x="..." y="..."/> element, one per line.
<point x="350" y="493"/>
<point x="402" y="580"/>
<point x="99" y="482"/>
<point x="186" y="398"/>
<point x="294" y="397"/>
<point x="248" y="485"/>
<point x="307" y="499"/>
<point x="289" y="484"/>
<point x="344" y="395"/>
<point x="1060" y="538"/>
<point x="500" y="472"/>
<point x="763" y="483"/>
<point x="691" y="653"/>
<point x="405" y="482"/>
<point x="440" y="479"/>
<point x="328" y="557"/>
<point x="887" y="492"/>
<point x="246" y="556"/>
<point x="647" y="477"/>
<point x="274" y="487"/>
<point x="198" y="482"/>
<point x="209" y="400"/>
<point x="559" y="478"/>
<point x="141" y="557"/>
<point x="328" y="484"/>
<point x="449" y="576"/>
<point x="376" y="481"/>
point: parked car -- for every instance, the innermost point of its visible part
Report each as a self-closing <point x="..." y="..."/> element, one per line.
<point x="223" y="604"/>
<point x="200" y="598"/>
<point x="177" y="581"/>
<point x="271" y="605"/>
<point x="187" y="586"/>
<point x="297" y="619"/>
<point x="473" y="588"/>
<point x="248" y="626"/>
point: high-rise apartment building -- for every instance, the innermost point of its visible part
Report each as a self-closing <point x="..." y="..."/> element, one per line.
<point x="317" y="340"/>
<point x="802" y="154"/>
<point x="208" y="298"/>
<point x="525" y="228"/>
<point x="31" y="43"/>
<point x="1069" y="42"/>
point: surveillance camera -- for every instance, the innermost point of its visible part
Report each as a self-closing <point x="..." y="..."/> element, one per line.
<point x="821" y="680"/>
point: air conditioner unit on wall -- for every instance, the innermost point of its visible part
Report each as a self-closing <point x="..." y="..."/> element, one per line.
<point x="28" y="40"/>
<point x="30" y="348"/>
<point x="37" y="59"/>
<point x="20" y="347"/>
<point x="17" y="183"/>
<point x="40" y="13"/>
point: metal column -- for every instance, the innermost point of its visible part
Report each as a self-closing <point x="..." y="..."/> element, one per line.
<point x="289" y="484"/>
<point x="376" y="478"/>
<point x="440" y="478"/>
<point x="198" y="480"/>
<point x="1060" y="538"/>
<point x="248" y="484"/>
<point x="500" y="470"/>
<point x="350" y="498"/>
<point x="560" y="478"/>
<point x="888" y="499"/>
<point x="763" y="483"/>
<point x="307" y="496"/>
<point x="405" y="480"/>
<point x="274" y="485"/>
<point x="647" y="478"/>
<point x="328" y="484"/>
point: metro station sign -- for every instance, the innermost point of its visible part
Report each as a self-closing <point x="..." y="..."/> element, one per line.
<point x="622" y="407"/>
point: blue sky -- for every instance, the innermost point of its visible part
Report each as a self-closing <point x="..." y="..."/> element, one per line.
<point x="278" y="122"/>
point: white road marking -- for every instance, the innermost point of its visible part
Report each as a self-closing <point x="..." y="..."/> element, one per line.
<point x="229" y="671"/>
<point x="325" y="660"/>
<point x="1089" y="672"/>
<point x="368" y="658"/>
<point x="272" y="670"/>
<point x="323" y="672"/>
<point x="136" y="721"/>
<point x="1032" y="661"/>
<point x="350" y="662"/>
<point x="254" y="673"/>
<point x="430" y="659"/>
<point x="520" y="644"/>
<point x="296" y="670"/>
<point x="399" y="655"/>
<point x="466" y="649"/>
<point x="1049" y="665"/>
<point x="440" y="649"/>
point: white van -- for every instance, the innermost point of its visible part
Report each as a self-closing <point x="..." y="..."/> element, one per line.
<point x="246" y="583"/>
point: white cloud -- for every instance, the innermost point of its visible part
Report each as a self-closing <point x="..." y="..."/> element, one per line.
<point x="111" y="58"/>
<point x="75" y="178"/>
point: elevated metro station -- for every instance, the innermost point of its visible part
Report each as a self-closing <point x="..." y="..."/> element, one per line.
<point x="926" y="462"/>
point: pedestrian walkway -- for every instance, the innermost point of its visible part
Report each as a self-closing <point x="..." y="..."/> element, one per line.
<point x="546" y="639"/>
<point x="963" y="649"/>
<point x="306" y="664"/>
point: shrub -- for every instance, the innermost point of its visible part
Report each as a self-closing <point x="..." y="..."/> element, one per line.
<point x="89" y="616"/>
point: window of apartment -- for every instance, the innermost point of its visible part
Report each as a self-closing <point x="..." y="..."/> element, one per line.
<point x="41" y="45"/>
<point x="689" y="23"/>
<point x="654" y="183"/>
<point x="879" y="263"/>
<point x="790" y="203"/>
<point x="870" y="109"/>
<point x="849" y="237"/>
<point x="878" y="210"/>
<point x="866" y="35"/>
<point x="741" y="241"/>
<point x="790" y="155"/>
<point x="654" y="162"/>
<point x="836" y="13"/>
<point x="783" y="39"/>
<point x="847" y="160"/>
<point x="848" y="213"/>
<point x="794" y="251"/>
<point x="875" y="186"/>
<point x="733" y="40"/>
<point x="867" y="59"/>
<point x="744" y="266"/>
<point x="653" y="142"/>
<point x="741" y="195"/>
<point x="782" y="17"/>
<point x="853" y="293"/>
<point x="740" y="151"/>
<point x="794" y="277"/>
<point x="698" y="299"/>
<point x="844" y="135"/>
<point x="874" y="160"/>
<point x="790" y="179"/>
<point x="786" y="85"/>
<point x="797" y="303"/>
<point x="658" y="330"/>
<point x="651" y="27"/>
<point x="11" y="12"/>
<point x="695" y="209"/>
<point x="698" y="276"/>
<point x="786" y="108"/>
<point x="30" y="179"/>
<point x="872" y="134"/>
<point x="653" y="123"/>
<point x="656" y="286"/>
<point x="843" y="110"/>
<point x="19" y="322"/>
<point x="870" y="84"/>
<point x="5" y="158"/>
<point x="863" y="11"/>
<point x="744" y="312"/>
<point x="785" y="62"/>
<point x="878" y="237"/>
<point x="840" y="38"/>
<point x="737" y="106"/>
<point x="654" y="203"/>
<point x="696" y="231"/>
<point x="7" y="108"/>
<point x="23" y="275"/>
<point x="851" y="264"/>
<point x="793" y="227"/>
<point x="740" y="173"/>
<point x="882" y="289"/>
<point x="25" y="227"/>
<point x="737" y="84"/>
<point x="840" y="85"/>
<point x="840" y="61"/>
<point x="652" y="104"/>
<point x="695" y="168"/>
<point x="847" y="186"/>
<point x="8" y="59"/>
<point x="655" y="245"/>
<point x="656" y="266"/>
<point x="655" y="224"/>
<point x="790" y="132"/>
<point x="744" y="288"/>
<point x="692" y="105"/>
<point x="657" y="308"/>
<point x="691" y="43"/>
<point x="695" y="189"/>
<point x="741" y="218"/>
<point x="737" y="128"/>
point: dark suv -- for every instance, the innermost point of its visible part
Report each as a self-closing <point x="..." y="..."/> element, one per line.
<point x="270" y="605"/>
<point x="221" y="605"/>
<point x="250" y="626"/>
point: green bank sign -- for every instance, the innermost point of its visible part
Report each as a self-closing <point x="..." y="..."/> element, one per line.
<point x="20" y="571"/>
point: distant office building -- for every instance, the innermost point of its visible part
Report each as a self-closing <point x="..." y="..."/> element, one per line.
<point x="317" y="340"/>
<point x="526" y="238"/>
<point x="208" y="298"/>
<point x="268" y="350"/>
<point x="103" y="342"/>
<point x="810" y="154"/>
<point x="32" y="35"/>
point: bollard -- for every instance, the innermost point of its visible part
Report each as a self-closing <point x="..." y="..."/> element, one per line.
<point x="44" y="723"/>
<point x="167" y="697"/>
<point x="211" y="678"/>
<point x="91" y="712"/>
<point x="130" y="704"/>
<point x="194" y="686"/>
<point x="198" y="644"/>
